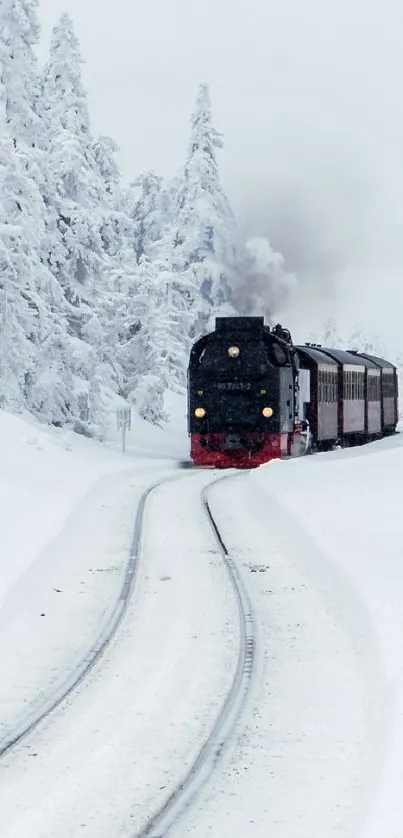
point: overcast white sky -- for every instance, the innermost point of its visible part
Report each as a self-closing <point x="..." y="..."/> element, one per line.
<point x="308" y="95"/>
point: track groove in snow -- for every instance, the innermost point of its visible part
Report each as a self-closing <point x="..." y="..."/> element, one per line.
<point x="104" y="637"/>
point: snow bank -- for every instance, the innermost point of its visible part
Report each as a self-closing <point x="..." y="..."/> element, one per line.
<point x="349" y="504"/>
<point x="67" y="510"/>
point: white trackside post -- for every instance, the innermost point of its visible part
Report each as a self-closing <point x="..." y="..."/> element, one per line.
<point x="124" y="423"/>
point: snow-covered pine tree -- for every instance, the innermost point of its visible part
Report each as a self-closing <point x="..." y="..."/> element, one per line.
<point x="32" y="319"/>
<point x="204" y="256"/>
<point x="35" y="367"/>
<point x="19" y="70"/>
<point x="362" y="341"/>
<point x="142" y="336"/>
<point x="145" y="202"/>
<point x="19" y="306"/>
<point x="331" y="337"/>
<point x="86" y="221"/>
<point x="73" y="188"/>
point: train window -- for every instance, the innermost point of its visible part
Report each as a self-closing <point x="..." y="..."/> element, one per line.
<point x="374" y="388"/>
<point x="327" y="386"/>
<point x="335" y="386"/>
<point x="346" y="384"/>
<point x="388" y="384"/>
<point x="349" y="385"/>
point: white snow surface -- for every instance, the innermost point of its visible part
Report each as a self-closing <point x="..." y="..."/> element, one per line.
<point x="67" y="509"/>
<point x="318" y="749"/>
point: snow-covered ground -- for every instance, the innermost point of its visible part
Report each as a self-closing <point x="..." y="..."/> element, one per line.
<point x="67" y="508"/>
<point x="319" y="748"/>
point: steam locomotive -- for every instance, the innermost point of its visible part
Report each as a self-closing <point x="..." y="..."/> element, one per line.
<point x="254" y="396"/>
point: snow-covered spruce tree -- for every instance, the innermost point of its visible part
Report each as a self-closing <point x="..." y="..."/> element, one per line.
<point x="85" y="225"/>
<point x="362" y="341"/>
<point x="33" y="329"/>
<point x="328" y="335"/>
<point x="19" y="70"/>
<point x="73" y="188"/>
<point x="35" y="367"/>
<point x="145" y="204"/>
<point x="18" y="299"/>
<point x="204" y="256"/>
<point x="139" y="328"/>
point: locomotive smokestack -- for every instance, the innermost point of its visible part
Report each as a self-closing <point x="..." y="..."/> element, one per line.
<point x="229" y="324"/>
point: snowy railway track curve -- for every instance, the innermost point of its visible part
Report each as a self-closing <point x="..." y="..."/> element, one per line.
<point x="167" y="815"/>
<point x="162" y="821"/>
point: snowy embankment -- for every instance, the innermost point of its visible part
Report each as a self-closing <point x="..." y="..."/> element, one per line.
<point x="67" y="509"/>
<point x="351" y="508"/>
<point x="320" y="751"/>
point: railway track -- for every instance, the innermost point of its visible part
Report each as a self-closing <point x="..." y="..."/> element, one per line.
<point x="160" y="821"/>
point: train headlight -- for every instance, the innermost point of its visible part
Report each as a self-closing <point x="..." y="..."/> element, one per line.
<point x="233" y="351"/>
<point x="267" y="412"/>
<point x="200" y="412"/>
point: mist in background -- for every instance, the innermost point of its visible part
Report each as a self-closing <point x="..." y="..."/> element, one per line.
<point x="309" y="98"/>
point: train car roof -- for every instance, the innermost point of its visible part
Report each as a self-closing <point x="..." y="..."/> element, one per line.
<point x="377" y="362"/>
<point x="344" y="357"/>
<point x="367" y="360"/>
<point x="315" y="354"/>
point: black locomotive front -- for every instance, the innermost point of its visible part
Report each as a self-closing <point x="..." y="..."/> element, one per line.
<point x="241" y="393"/>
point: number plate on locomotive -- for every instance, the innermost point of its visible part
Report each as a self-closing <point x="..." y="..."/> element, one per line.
<point x="233" y="385"/>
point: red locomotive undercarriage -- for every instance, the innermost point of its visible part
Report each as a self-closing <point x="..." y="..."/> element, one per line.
<point x="238" y="450"/>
